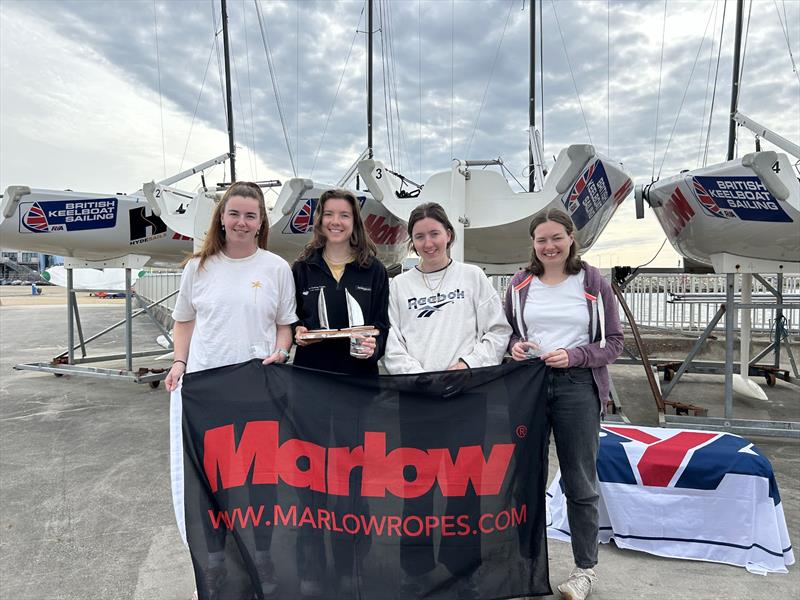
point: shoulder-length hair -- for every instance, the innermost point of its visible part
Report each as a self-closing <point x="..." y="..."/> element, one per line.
<point x="430" y="210"/>
<point x="215" y="236"/>
<point x="364" y="249"/>
<point x="574" y="264"/>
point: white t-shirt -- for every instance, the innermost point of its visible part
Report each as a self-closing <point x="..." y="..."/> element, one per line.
<point x="237" y="305"/>
<point x="557" y="314"/>
<point x="460" y="318"/>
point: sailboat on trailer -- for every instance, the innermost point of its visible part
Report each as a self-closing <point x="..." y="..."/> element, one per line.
<point x="739" y="214"/>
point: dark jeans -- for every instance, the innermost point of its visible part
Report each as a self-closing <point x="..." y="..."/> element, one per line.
<point x="348" y="549"/>
<point x="461" y="555"/>
<point x="573" y="412"/>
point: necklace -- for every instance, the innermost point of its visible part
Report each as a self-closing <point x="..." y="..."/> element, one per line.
<point x="436" y="286"/>
<point x="336" y="262"/>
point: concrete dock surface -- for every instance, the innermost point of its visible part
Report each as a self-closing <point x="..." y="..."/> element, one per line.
<point x="85" y="505"/>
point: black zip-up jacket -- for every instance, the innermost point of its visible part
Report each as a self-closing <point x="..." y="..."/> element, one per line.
<point x="369" y="286"/>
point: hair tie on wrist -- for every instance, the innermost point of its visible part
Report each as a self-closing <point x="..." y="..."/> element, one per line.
<point x="183" y="362"/>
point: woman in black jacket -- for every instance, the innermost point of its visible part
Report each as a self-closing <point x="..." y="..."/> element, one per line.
<point x="339" y="260"/>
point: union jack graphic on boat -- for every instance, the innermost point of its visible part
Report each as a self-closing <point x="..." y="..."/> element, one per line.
<point x="35" y="219"/>
<point x="572" y="202"/>
<point x="707" y="202"/>
<point x="303" y="220"/>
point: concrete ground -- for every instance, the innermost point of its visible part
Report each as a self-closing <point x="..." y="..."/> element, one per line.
<point x="85" y="508"/>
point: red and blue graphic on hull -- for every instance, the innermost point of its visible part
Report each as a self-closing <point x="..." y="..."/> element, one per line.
<point x="67" y="215"/>
<point x="588" y="195"/>
<point x="744" y="198"/>
<point x="303" y="219"/>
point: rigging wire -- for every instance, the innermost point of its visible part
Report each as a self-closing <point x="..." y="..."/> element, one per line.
<point x="744" y="50"/>
<point x="785" y="29"/>
<point x="250" y="93"/>
<point x="419" y="81"/>
<point x="240" y="112"/>
<point x="489" y="81"/>
<point x="274" y="78"/>
<point x="387" y="112"/>
<point x="685" y="92"/>
<point x="452" y="80"/>
<point x="160" y="103"/>
<point x="636" y="269"/>
<point x="658" y="101"/>
<point x="708" y="83"/>
<point x="716" y="78"/>
<point x="403" y="147"/>
<point x="541" y="69"/>
<point x="336" y="95"/>
<point x="197" y="104"/>
<point x="571" y="72"/>
<point x="297" y="84"/>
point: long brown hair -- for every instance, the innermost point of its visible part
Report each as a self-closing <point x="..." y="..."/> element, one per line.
<point x="573" y="265"/>
<point x="430" y="210"/>
<point x="215" y="237"/>
<point x="363" y="248"/>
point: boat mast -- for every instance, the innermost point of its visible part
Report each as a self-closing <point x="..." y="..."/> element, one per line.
<point x="735" y="85"/>
<point x="532" y="94"/>
<point x="369" y="79"/>
<point x="225" y="45"/>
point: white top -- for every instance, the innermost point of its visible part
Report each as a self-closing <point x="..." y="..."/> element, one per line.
<point x="237" y="305"/>
<point x="557" y="314"/>
<point x="438" y="318"/>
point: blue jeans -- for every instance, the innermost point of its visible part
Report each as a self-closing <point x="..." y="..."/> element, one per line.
<point x="573" y="412"/>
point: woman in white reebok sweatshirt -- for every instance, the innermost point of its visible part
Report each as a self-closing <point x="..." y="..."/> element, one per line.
<point x="444" y="315"/>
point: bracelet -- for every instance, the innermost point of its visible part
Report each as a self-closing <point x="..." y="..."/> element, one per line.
<point x="285" y="352"/>
<point x="183" y="362"/>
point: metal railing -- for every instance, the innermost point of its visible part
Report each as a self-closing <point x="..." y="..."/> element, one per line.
<point x="157" y="284"/>
<point x="689" y="302"/>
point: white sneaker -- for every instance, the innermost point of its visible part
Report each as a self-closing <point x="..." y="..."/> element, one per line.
<point x="579" y="585"/>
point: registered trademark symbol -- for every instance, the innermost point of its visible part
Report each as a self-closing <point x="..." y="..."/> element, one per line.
<point x="522" y="431"/>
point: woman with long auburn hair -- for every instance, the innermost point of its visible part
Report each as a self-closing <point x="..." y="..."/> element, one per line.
<point x="564" y="312"/>
<point x="339" y="265"/>
<point x="340" y="261"/>
<point x="236" y="303"/>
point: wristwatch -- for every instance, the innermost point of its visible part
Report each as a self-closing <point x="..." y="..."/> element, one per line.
<point x="285" y="353"/>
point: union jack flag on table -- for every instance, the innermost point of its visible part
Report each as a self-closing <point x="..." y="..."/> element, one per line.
<point x="689" y="494"/>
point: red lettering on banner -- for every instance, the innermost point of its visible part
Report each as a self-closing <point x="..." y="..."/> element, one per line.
<point x="486" y="476"/>
<point x="228" y="464"/>
<point x="677" y="211"/>
<point x="293" y="450"/>
<point x="259" y="443"/>
<point x="662" y="459"/>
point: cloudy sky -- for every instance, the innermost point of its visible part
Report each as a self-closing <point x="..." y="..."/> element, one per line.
<point x="100" y="96"/>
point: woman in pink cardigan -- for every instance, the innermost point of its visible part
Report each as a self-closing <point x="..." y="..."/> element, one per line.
<point x="564" y="312"/>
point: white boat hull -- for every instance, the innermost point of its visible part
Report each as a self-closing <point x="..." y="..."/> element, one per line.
<point x="87" y="226"/>
<point x="732" y="208"/>
<point x="587" y="186"/>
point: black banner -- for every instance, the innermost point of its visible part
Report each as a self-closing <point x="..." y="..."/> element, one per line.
<point x="299" y="483"/>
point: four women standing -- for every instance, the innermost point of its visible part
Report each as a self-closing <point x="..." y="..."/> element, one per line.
<point x="237" y="301"/>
